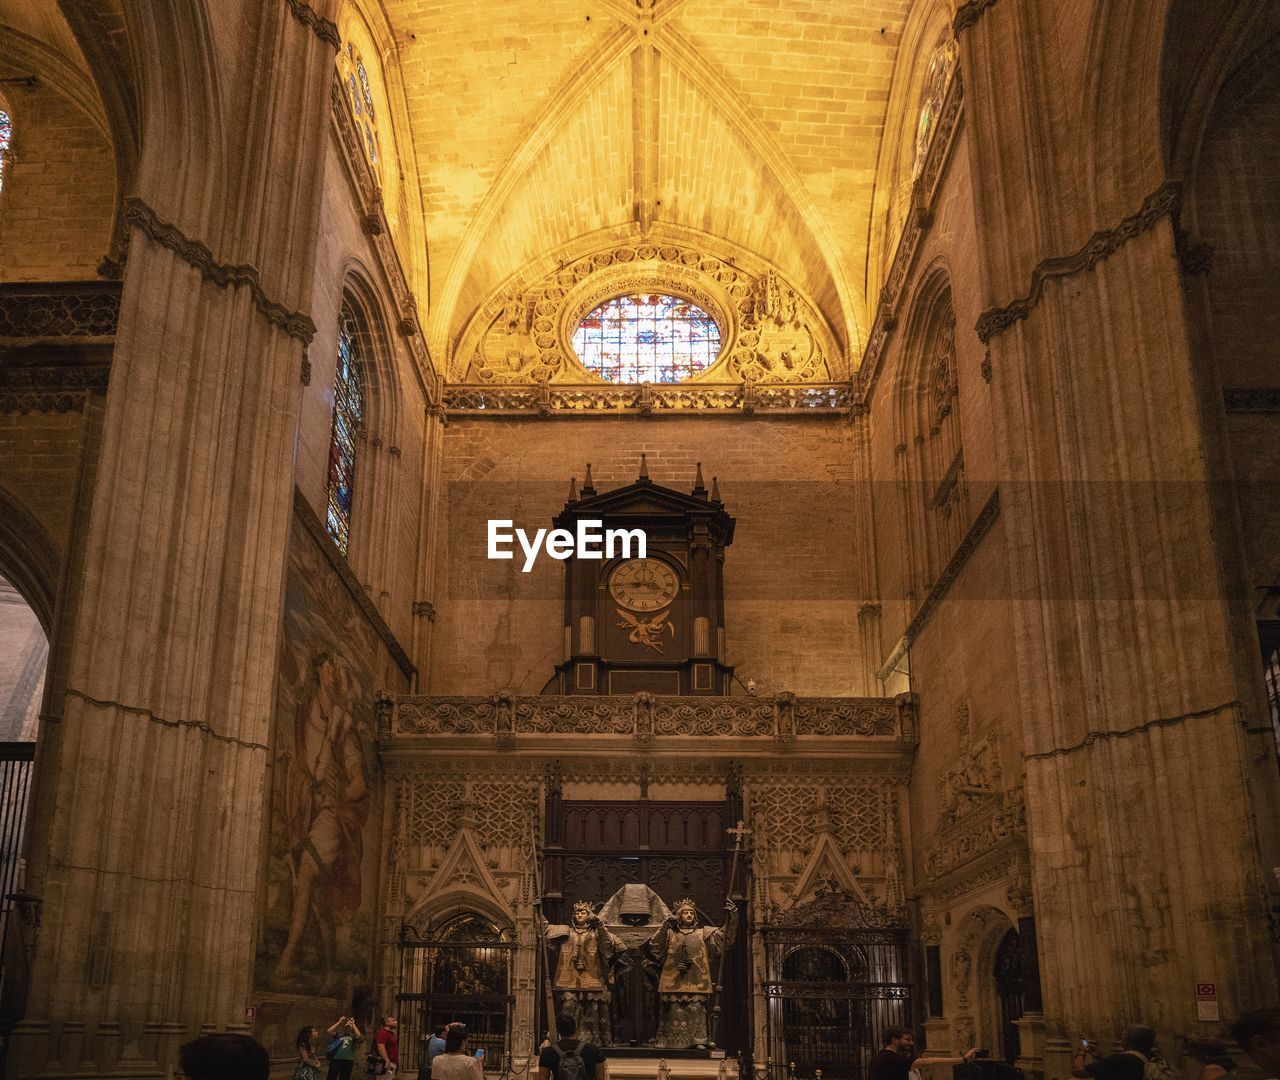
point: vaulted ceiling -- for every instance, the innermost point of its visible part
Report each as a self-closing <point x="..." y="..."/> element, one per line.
<point x="753" y="123"/>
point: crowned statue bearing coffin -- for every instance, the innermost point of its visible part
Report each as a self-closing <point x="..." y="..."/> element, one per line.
<point x="581" y="986"/>
<point x="684" y="950"/>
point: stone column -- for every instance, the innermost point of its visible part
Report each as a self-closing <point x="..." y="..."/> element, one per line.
<point x="1151" y="822"/>
<point x="148" y="823"/>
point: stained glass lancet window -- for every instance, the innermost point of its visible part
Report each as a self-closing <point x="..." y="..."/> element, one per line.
<point x="348" y="410"/>
<point x="647" y="337"/>
<point x="6" y="135"/>
<point x="941" y="64"/>
<point x="356" y="77"/>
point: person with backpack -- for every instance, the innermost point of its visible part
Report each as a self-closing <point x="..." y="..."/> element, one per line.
<point x="1139" y="1059"/>
<point x="570" y="1058"/>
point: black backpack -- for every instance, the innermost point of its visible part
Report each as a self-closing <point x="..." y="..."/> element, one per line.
<point x="572" y="1067"/>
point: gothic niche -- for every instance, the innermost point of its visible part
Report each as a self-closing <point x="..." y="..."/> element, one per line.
<point x="769" y="333"/>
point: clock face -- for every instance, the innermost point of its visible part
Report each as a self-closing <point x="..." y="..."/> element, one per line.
<point x="644" y="584"/>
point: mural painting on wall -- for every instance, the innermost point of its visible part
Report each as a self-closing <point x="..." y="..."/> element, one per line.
<point x="321" y="875"/>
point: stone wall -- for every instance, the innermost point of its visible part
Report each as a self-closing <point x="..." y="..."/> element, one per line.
<point x="792" y="578"/>
<point x="59" y="185"/>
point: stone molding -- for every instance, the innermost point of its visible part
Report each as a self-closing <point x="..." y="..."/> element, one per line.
<point x="924" y="194"/>
<point x="40" y="311"/>
<point x="405" y="757"/>
<point x="294" y="323"/>
<point x="968" y="545"/>
<point x="323" y="28"/>
<point x="649" y="399"/>
<point x="1103" y="244"/>
<point x="968" y="14"/>
<point x="368" y="194"/>
<point x="315" y="527"/>
<point x="1252" y="399"/>
<point x="62" y="388"/>
<point x="642" y="718"/>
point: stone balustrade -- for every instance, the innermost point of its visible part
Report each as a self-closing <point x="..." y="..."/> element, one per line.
<point x="644" y="718"/>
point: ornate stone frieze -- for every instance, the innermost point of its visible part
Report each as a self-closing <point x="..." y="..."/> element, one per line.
<point x="1247" y="399"/>
<point x="645" y="717"/>
<point x="25" y="389"/>
<point x="73" y="309"/>
<point x="565" y="399"/>
<point x="769" y="334"/>
<point x="1103" y="244"/>
<point x="999" y="823"/>
<point x="832" y="909"/>
<point x="227" y="275"/>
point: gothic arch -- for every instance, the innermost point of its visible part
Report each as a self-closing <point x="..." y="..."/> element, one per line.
<point x="980" y="931"/>
<point x="928" y="22"/>
<point x="435" y="909"/>
<point x="29" y="559"/>
<point x="927" y="427"/>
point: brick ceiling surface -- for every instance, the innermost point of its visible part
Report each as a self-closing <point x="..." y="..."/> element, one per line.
<point x="538" y="122"/>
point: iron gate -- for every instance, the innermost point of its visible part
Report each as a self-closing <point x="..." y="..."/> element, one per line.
<point x="830" y="995"/>
<point x="459" y="970"/>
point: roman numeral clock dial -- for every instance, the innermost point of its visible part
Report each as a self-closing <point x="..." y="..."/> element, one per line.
<point x="643" y="584"/>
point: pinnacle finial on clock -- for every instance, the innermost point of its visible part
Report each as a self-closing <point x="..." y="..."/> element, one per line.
<point x="699" y="488"/>
<point x="644" y="466"/>
<point x="573" y="489"/>
<point x="715" y="489"/>
<point x="588" y="488"/>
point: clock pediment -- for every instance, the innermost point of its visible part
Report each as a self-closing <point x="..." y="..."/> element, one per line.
<point x="652" y="624"/>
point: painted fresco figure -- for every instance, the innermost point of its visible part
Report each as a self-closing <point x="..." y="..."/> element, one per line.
<point x="582" y="984"/>
<point x="327" y="807"/>
<point x="684" y="950"/>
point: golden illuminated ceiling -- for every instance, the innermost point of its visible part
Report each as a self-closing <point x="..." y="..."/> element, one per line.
<point x="755" y="123"/>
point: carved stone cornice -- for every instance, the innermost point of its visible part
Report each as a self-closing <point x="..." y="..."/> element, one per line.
<point x="643" y="718"/>
<point x="999" y="826"/>
<point x="427" y="757"/>
<point x="50" y="388"/>
<point x="1103" y="244"/>
<point x="967" y="546"/>
<point x="52" y="311"/>
<point x="968" y="14"/>
<point x="1252" y="399"/>
<point x="323" y="28"/>
<point x="924" y="194"/>
<point x="368" y="194"/>
<point x="648" y="399"/>
<point x="294" y="323"/>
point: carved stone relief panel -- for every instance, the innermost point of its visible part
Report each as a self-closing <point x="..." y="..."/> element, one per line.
<point x="769" y="333"/>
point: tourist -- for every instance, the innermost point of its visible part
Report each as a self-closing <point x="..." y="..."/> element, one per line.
<point x="433" y="1048"/>
<point x="570" y="1058"/>
<point x="456" y="1063"/>
<point x="226" y="1056"/>
<point x="342" y="1050"/>
<point x="1258" y="1033"/>
<point x="1139" y="1058"/>
<point x="897" y="1060"/>
<point x="1211" y="1054"/>
<point x="386" y="1047"/>
<point x="308" y="1067"/>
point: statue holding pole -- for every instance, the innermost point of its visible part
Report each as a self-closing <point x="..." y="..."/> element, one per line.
<point x="683" y="949"/>
<point x="581" y="987"/>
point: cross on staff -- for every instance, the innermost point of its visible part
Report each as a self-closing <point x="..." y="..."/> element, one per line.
<point x="739" y="832"/>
